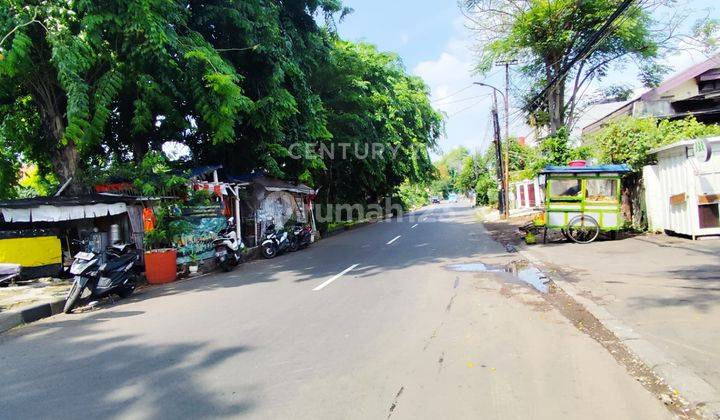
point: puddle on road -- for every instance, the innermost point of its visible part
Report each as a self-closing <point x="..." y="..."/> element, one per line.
<point x="518" y="272"/>
<point x="474" y="267"/>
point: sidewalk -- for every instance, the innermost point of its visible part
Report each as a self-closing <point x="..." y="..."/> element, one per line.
<point x="27" y="293"/>
<point x="666" y="289"/>
<point x="30" y="301"/>
<point x="659" y="294"/>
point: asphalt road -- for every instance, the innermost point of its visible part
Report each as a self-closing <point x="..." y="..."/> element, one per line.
<point x="401" y="335"/>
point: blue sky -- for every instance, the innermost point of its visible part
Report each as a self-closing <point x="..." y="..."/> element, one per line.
<point x="432" y="38"/>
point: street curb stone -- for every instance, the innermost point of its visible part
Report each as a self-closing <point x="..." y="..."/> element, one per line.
<point x="32" y="313"/>
<point x="691" y="387"/>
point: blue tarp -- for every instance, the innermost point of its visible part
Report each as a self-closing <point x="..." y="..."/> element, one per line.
<point x="597" y="169"/>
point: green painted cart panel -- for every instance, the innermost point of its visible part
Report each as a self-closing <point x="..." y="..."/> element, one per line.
<point x="559" y="210"/>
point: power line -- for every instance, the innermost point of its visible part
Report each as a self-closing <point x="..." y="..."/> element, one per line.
<point x="519" y="113"/>
<point x="585" y="50"/>
<point x="463" y="89"/>
<point x="453" y="94"/>
<point x="465" y="109"/>
<point x="462" y="100"/>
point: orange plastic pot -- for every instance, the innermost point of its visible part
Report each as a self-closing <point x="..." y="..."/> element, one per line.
<point x="161" y="266"/>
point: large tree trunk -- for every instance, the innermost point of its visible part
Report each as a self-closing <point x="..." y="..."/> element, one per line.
<point x="555" y="96"/>
<point x="633" y="201"/>
<point x="140" y="148"/>
<point x="65" y="161"/>
<point x="64" y="157"/>
<point x="126" y="108"/>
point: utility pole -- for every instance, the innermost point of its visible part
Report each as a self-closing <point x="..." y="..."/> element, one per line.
<point x="501" y="162"/>
<point x="506" y="173"/>
<point x="502" y="194"/>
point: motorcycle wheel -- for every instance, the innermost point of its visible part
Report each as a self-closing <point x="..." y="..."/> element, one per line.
<point x="128" y="290"/>
<point x="73" y="297"/>
<point x="269" y="251"/>
<point x="294" y="245"/>
<point x="225" y="266"/>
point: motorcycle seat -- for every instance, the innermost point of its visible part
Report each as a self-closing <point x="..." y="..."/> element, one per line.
<point x="119" y="262"/>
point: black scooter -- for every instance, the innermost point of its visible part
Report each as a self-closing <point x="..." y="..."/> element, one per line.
<point x="103" y="273"/>
<point x="301" y="236"/>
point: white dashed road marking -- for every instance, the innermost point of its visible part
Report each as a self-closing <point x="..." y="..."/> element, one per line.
<point x="335" y="277"/>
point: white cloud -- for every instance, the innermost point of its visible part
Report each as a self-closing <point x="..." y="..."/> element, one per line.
<point x="450" y="80"/>
<point x="467" y="106"/>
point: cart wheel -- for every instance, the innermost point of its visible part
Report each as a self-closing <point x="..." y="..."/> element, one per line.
<point x="565" y="234"/>
<point x="583" y="229"/>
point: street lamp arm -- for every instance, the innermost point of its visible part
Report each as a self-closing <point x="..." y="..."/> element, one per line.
<point x="491" y="87"/>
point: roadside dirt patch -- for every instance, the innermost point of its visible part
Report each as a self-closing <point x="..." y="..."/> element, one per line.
<point x="507" y="231"/>
<point x="586" y="323"/>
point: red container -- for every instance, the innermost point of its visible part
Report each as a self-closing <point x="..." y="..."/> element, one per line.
<point x="576" y="163"/>
<point x="161" y="266"/>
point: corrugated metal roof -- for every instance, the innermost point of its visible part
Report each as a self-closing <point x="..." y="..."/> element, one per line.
<point x="681" y="143"/>
<point x="66" y="201"/>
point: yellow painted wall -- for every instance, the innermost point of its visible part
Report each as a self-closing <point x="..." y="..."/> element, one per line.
<point x="31" y="252"/>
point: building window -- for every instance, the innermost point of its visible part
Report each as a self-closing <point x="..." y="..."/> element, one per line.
<point x="709" y="86"/>
<point x="709" y="216"/>
<point x="601" y="190"/>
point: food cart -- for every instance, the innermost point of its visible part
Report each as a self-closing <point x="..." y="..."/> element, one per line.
<point x="583" y="201"/>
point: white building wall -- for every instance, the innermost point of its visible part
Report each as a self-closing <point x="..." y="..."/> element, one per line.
<point x="679" y="174"/>
<point x="674" y="180"/>
<point x="654" y="198"/>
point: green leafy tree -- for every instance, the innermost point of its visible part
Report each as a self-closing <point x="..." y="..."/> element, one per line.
<point x="486" y="190"/>
<point x="413" y="195"/>
<point x="706" y="35"/>
<point x="371" y="103"/>
<point x="276" y="48"/>
<point x="547" y="34"/>
<point x="88" y="86"/>
<point x="628" y="140"/>
<point x="73" y="60"/>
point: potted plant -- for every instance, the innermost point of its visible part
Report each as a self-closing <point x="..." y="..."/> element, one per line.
<point x="193" y="267"/>
<point x="160" y="256"/>
<point x="154" y="177"/>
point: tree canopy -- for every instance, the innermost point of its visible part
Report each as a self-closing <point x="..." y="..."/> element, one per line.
<point x="371" y="103"/>
<point x="628" y="140"/>
<point x="545" y="36"/>
<point x="86" y="85"/>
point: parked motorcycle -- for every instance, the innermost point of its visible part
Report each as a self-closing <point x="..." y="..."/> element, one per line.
<point x="8" y="273"/>
<point x="228" y="248"/>
<point x="276" y="242"/>
<point x="103" y="273"/>
<point x="301" y="236"/>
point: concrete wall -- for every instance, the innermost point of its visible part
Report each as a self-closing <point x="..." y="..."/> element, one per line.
<point x="654" y="199"/>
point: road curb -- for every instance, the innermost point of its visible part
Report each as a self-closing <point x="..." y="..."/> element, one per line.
<point x="354" y="226"/>
<point x="693" y="388"/>
<point x="32" y="313"/>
